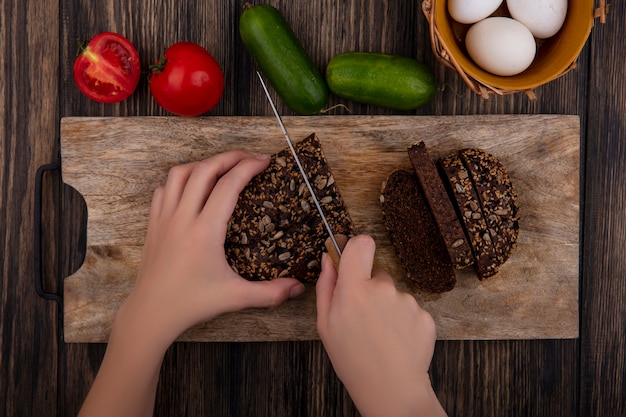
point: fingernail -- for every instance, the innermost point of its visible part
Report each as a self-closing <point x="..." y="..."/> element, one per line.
<point x="296" y="290"/>
<point x="324" y="260"/>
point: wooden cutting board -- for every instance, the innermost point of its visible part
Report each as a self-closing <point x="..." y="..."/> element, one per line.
<point x="116" y="163"/>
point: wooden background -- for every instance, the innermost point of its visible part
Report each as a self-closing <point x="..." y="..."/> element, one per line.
<point x="41" y="375"/>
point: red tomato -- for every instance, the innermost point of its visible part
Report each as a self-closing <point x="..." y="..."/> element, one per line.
<point x="108" y="69"/>
<point x="187" y="81"/>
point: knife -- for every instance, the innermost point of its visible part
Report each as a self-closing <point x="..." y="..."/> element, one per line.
<point x="306" y="178"/>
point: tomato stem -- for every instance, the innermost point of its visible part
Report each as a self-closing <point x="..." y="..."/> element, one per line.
<point x="159" y="66"/>
<point x="81" y="46"/>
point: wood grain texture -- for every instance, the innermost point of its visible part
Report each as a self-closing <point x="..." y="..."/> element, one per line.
<point x="29" y="329"/>
<point x="116" y="163"/>
<point x="603" y="318"/>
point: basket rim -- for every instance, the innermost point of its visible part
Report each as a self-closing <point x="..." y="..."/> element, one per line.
<point x="480" y="85"/>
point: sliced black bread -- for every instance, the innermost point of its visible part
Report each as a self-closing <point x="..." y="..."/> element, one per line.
<point x="275" y="229"/>
<point x="441" y="206"/>
<point x="414" y="233"/>
<point x="498" y="199"/>
<point x="464" y="196"/>
<point x="422" y="227"/>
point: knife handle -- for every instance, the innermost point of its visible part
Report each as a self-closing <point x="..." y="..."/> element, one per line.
<point x="330" y="248"/>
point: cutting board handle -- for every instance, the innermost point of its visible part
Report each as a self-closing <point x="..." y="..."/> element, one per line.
<point x="37" y="254"/>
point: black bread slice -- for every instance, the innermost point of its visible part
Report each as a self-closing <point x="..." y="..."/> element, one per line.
<point x="464" y="196"/>
<point x="414" y="233"/>
<point x="440" y="205"/>
<point x="497" y="197"/>
<point x="275" y="229"/>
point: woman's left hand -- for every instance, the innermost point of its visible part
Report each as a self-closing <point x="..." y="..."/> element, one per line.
<point x="184" y="278"/>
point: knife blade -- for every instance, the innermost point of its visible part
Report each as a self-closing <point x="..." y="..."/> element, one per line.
<point x="302" y="172"/>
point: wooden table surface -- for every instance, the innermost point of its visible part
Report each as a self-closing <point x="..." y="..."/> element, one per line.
<point x="42" y="375"/>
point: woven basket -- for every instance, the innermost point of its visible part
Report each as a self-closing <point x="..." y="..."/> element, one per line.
<point x="555" y="56"/>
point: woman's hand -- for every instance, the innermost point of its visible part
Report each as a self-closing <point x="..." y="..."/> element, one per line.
<point x="379" y="340"/>
<point x="184" y="278"/>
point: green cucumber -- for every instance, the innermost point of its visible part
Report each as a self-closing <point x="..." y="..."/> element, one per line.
<point x="274" y="47"/>
<point x="383" y="80"/>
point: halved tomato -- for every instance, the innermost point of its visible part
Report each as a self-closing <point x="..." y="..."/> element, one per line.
<point x="107" y="70"/>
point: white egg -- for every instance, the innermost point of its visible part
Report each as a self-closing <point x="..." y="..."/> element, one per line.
<point x="471" y="11"/>
<point x="544" y="18"/>
<point x="501" y="45"/>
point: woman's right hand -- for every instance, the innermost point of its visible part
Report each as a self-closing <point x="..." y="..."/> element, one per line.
<point x="379" y="340"/>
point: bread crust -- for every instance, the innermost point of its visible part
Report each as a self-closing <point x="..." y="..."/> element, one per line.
<point x="441" y="206"/>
